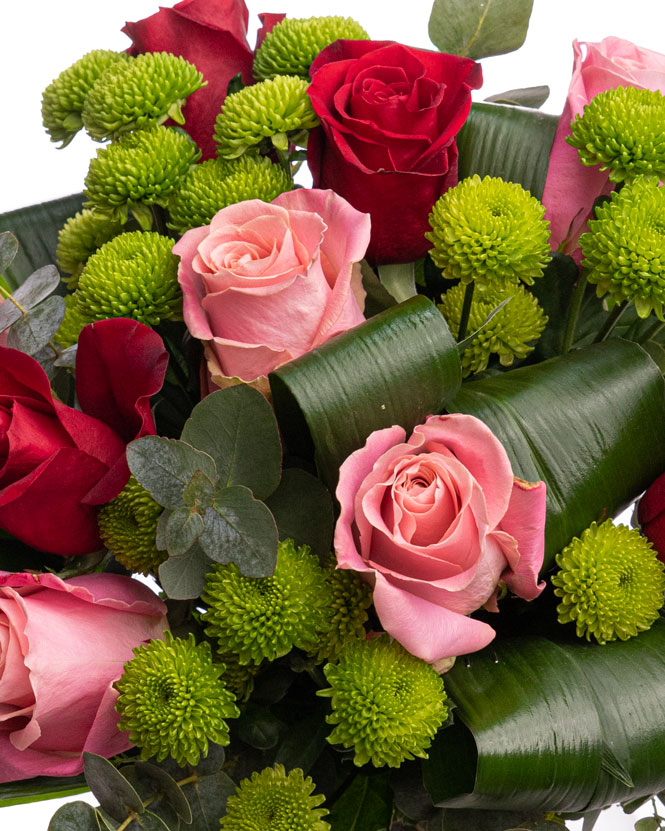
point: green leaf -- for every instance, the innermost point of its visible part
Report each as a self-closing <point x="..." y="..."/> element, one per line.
<point x="396" y="368"/>
<point x="521" y="745"/>
<point x="111" y="789"/>
<point x="303" y="510"/>
<point x="199" y="492"/>
<point x="589" y="424"/>
<point x="479" y="28"/>
<point x="36" y="228"/>
<point x="303" y="743"/>
<point x="399" y="280"/>
<point x="463" y="820"/>
<point x="41" y="787"/>
<point x="259" y="727"/>
<point x="377" y="299"/>
<point x="648" y="824"/>
<point x="532" y="97"/>
<point x="183" y="528"/>
<point x="366" y="805"/>
<point x="39" y="285"/>
<point x="509" y="142"/>
<point x="165" y="467"/>
<point x="207" y="798"/>
<point x="183" y="577"/>
<point x="31" y="332"/>
<point x="74" y="816"/>
<point x="8" y="250"/>
<point x="240" y="529"/>
<point x="237" y="427"/>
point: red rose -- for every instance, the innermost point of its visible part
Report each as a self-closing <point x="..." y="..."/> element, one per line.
<point x="389" y="116"/>
<point x="651" y="515"/>
<point x="211" y="34"/>
<point x="58" y="463"/>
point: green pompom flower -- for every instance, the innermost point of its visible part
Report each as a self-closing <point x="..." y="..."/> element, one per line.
<point x="138" y="93"/>
<point x="172" y="702"/>
<point x="509" y="334"/>
<point x="611" y="583"/>
<point x="267" y="617"/>
<point x="133" y="275"/>
<point x="273" y="800"/>
<point x="621" y="130"/>
<point x="217" y="183"/>
<point x="139" y="170"/>
<point x="489" y="231"/>
<point x="292" y="45"/>
<point x="63" y="99"/>
<point x="79" y="238"/>
<point x="386" y="703"/>
<point x="347" y="614"/>
<point x="128" y="527"/>
<point x="72" y="323"/>
<point x="278" y="109"/>
<point x="624" y="251"/>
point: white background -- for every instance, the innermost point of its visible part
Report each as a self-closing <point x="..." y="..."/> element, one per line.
<point x="41" y="38"/>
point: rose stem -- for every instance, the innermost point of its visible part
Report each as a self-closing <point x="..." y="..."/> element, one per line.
<point x="612" y="320"/>
<point x="574" y="313"/>
<point x="466" y="311"/>
<point x="652" y="331"/>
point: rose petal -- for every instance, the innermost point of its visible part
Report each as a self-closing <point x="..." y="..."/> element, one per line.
<point x="525" y="522"/>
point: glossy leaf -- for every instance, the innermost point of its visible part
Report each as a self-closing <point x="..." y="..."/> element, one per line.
<point x="41" y="787"/>
<point x="532" y="97"/>
<point x="113" y="792"/>
<point x="74" y="816"/>
<point x="237" y="427"/>
<point x="523" y="746"/>
<point x="479" y="28"/>
<point x="396" y="368"/>
<point x="366" y="805"/>
<point x="183" y="577"/>
<point x="399" y="280"/>
<point x="510" y="142"/>
<point x="591" y="424"/>
<point x="303" y="510"/>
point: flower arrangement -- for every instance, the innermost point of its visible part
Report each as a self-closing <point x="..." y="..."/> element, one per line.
<point x="308" y="484"/>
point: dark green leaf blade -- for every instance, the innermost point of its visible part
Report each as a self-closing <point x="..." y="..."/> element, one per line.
<point x="237" y="427"/>
<point x="113" y="792"/>
<point x="74" y="816"/>
<point x="479" y="28"/>
<point x="303" y="510"/>
<point x="208" y="797"/>
<point x="532" y="97"/>
<point x="366" y="805"/>
<point x="396" y="368"/>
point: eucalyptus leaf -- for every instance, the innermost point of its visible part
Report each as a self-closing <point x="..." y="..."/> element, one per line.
<point x="31" y="332"/>
<point x="208" y="797"/>
<point x="39" y="285"/>
<point x="74" y="816"/>
<point x="648" y="824"/>
<point x="199" y="492"/>
<point x="240" y="529"/>
<point x="183" y="528"/>
<point x="183" y="577"/>
<point x="113" y="792"/>
<point x="532" y="97"/>
<point x="237" y="427"/>
<point x="67" y="358"/>
<point x="303" y="510"/>
<point x="479" y="28"/>
<point x="399" y="280"/>
<point x="164" y="467"/>
<point x="9" y="314"/>
<point x="366" y="805"/>
<point x="8" y="250"/>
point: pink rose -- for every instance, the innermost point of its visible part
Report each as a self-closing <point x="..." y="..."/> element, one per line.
<point x="264" y="283"/>
<point x="62" y="645"/>
<point x="434" y="524"/>
<point x="571" y="187"/>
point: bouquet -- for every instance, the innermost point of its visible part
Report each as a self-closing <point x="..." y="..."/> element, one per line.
<point x="313" y="440"/>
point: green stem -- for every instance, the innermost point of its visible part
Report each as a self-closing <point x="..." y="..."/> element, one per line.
<point x="652" y="331"/>
<point x="9" y="296"/>
<point x="611" y="321"/>
<point x="466" y="311"/>
<point x="574" y="313"/>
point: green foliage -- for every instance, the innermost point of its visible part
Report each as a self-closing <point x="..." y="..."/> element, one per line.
<point x="365" y="805"/>
<point x="479" y="28"/>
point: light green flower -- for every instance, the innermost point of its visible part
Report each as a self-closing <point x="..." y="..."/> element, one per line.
<point x="79" y="238"/>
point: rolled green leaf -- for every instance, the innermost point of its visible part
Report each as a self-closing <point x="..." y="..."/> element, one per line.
<point x="553" y="727"/>
<point x="590" y="424"/>
<point x="397" y="368"/>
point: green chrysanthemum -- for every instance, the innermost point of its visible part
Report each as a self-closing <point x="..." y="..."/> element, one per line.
<point x="72" y="323"/>
<point x="139" y="170"/>
<point x="489" y="231"/>
<point x="611" y="583"/>
<point x="278" y="109"/>
<point x="79" y="238"/>
<point x="386" y="703"/>
<point x="509" y="334"/>
<point x="624" y="251"/>
<point x="266" y="617"/>
<point x="274" y="801"/>
<point x="217" y="183"/>
<point x="621" y="130"/>
<point x="347" y="614"/>
<point x="62" y="100"/>
<point x="128" y="525"/>
<point x="133" y="275"/>
<point x="172" y="702"/>
<point x="138" y="93"/>
<point x="292" y="45"/>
